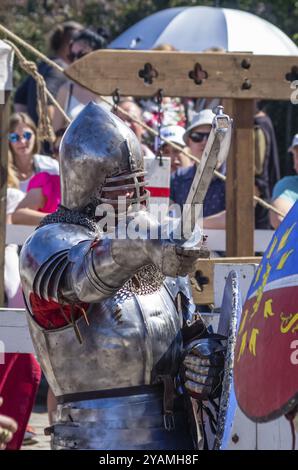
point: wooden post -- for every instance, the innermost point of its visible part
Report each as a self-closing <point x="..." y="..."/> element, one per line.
<point x="240" y="181"/>
<point x="4" y="110"/>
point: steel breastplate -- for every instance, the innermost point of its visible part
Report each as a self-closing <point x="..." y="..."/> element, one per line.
<point x="130" y="340"/>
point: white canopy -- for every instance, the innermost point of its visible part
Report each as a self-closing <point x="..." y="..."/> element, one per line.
<point x="194" y="29"/>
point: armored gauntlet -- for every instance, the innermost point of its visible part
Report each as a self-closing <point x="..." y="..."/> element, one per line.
<point x="202" y="367"/>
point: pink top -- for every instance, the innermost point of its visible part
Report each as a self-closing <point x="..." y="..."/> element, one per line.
<point x="50" y="186"/>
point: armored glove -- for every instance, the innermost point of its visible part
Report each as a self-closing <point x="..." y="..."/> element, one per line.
<point x="147" y="245"/>
<point x="175" y="260"/>
<point x="203" y="367"/>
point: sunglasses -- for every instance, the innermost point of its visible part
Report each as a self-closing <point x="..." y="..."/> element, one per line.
<point x="199" y="136"/>
<point x="72" y="56"/>
<point x="14" y="137"/>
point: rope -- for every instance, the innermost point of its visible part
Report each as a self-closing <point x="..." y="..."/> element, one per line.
<point x="53" y="64"/>
<point x="45" y="130"/>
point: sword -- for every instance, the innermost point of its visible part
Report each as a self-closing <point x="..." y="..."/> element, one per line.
<point x="215" y="153"/>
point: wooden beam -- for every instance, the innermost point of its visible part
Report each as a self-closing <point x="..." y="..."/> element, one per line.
<point x="202" y="278"/>
<point x="240" y="182"/>
<point x="228" y="75"/>
<point x="4" y="110"/>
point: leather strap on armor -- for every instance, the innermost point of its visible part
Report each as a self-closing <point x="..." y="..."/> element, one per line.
<point x="168" y="401"/>
<point x="197" y="329"/>
<point x="108" y="393"/>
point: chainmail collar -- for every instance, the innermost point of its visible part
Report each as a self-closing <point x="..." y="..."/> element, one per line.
<point x="69" y="216"/>
<point x="147" y="280"/>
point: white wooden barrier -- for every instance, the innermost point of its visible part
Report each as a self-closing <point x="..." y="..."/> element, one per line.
<point x="14" y="332"/>
<point x="17" y="234"/>
<point x="216" y="240"/>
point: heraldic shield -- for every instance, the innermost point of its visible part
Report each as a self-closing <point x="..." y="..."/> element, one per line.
<point x="216" y="415"/>
<point x="266" y="355"/>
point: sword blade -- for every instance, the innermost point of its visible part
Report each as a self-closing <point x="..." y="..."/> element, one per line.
<point x="215" y="153"/>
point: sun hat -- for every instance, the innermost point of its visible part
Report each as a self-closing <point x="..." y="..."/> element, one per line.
<point x="173" y="134"/>
<point x="203" y="118"/>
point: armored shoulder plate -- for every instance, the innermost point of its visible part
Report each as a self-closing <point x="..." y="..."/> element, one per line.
<point x="46" y="251"/>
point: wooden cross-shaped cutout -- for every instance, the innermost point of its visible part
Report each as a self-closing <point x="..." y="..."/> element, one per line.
<point x="198" y="74"/>
<point x="148" y="73"/>
<point x="293" y="75"/>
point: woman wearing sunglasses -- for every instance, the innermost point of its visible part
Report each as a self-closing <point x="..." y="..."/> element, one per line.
<point x="71" y="96"/>
<point x="195" y="137"/>
<point x="24" y="150"/>
<point x="43" y="194"/>
<point x="19" y="373"/>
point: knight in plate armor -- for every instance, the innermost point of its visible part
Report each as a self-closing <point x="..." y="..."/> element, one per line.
<point x="111" y="318"/>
